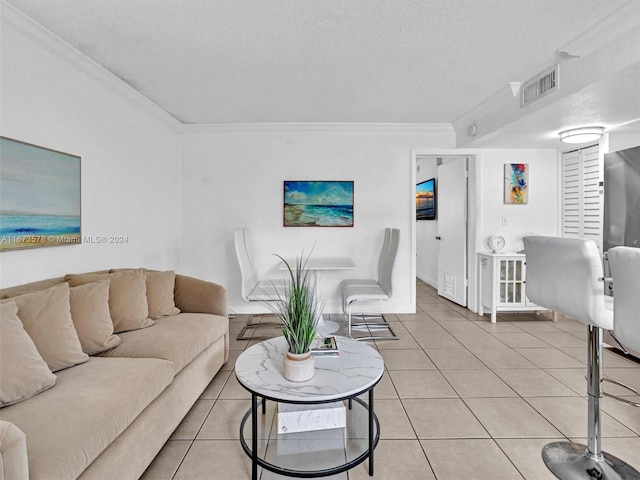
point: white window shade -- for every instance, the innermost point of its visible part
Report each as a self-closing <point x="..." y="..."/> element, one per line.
<point x="581" y="194"/>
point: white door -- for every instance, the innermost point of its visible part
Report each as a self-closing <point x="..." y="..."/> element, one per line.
<point x="452" y="229"/>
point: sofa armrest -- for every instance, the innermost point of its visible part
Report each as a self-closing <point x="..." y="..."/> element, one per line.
<point x="13" y="453"/>
<point x="193" y="295"/>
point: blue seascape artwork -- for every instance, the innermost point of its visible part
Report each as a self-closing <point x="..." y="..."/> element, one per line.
<point x="39" y="197"/>
<point x="318" y="204"/>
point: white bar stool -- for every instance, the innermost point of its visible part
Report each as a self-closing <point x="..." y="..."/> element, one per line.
<point x="566" y="275"/>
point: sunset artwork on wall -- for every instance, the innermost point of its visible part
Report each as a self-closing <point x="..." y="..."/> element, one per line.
<point x="516" y="183"/>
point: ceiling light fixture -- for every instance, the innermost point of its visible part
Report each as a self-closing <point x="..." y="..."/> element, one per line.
<point x="581" y="135"/>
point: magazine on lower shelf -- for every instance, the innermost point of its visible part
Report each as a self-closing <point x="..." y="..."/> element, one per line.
<point x="327" y="346"/>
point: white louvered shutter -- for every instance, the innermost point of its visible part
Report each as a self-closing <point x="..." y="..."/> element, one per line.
<point x="581" y="194"/>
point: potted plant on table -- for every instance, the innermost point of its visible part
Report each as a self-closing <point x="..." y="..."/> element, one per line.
<point x="298" y="308"/>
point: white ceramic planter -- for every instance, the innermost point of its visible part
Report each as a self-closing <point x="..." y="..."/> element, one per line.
<point x="299" y="367"/>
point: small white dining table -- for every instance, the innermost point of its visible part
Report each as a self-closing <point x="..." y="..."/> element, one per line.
<point x="317" y="266"/>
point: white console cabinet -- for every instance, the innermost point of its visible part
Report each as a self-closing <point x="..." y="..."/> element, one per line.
<point x="501" y="284"/>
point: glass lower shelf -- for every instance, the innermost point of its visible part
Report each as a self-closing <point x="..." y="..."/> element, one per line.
<point x="312" y="453"/>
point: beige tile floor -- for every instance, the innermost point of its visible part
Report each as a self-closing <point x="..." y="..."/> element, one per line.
<point x="461" y="398"/>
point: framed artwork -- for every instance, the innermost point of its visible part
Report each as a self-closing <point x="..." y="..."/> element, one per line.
<point x="318" y="204"/>
<point x="426" y="202"/>
<point x="40" y="196"/>
<point x="516" y="183"/>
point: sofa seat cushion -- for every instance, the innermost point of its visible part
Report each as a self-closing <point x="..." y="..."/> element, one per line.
<point x="179" y="338"/>
<point x="69" y="425"/>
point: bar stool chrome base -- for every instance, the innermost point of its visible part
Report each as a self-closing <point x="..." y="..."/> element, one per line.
<point x="569" y="461"/>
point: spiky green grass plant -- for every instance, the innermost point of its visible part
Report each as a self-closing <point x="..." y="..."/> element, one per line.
<point x="298" y="307"/>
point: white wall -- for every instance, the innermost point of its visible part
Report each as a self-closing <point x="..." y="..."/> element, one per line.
<point x="539" y="216"/>
<point x="427" y="230"/>
<point x="233" y="178"/>
<point x="130" y="155"/>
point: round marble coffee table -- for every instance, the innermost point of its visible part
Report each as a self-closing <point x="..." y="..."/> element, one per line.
<point x="354" y="372"/>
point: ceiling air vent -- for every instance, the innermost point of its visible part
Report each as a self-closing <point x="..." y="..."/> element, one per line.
<point x="539" y="86"/>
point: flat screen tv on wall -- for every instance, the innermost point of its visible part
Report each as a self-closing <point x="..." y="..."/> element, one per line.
<point x="426" y="200"/>
<point x="622" y="198"/>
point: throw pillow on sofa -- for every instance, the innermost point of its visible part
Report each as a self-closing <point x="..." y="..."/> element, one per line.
<point x="127" y="297"/>
<point x="23" y="371"/>
<point x="91" y="317"/>
<point x="46" y="316"/>
<point x="160" y="298"/>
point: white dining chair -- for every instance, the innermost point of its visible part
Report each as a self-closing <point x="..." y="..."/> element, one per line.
<point x="252" y="288"/>
<point x="372" y="290"/>
<point x="566" y="275"/>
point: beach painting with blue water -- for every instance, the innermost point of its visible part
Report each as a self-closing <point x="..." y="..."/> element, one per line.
<point x="318" y="204"/>
<point x="39" y="197"/>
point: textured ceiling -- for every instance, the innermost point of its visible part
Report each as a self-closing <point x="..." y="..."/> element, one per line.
<point x="381" y="61"/>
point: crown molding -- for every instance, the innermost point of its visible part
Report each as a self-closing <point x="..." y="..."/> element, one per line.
<point x="44" y="39"/>
<point x="318" y="127"/>
<point x="606" y="31"/>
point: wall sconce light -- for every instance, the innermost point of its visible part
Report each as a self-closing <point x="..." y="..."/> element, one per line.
<point x="581" y="135"/>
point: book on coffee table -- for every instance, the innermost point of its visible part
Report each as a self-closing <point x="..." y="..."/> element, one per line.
<point x="325" y="346"/>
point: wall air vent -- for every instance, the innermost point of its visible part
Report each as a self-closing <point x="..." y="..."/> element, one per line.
<point x="539" y="86"/>
<point x="449" y="284"/>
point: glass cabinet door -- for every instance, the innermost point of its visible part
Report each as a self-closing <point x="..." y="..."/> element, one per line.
<point x="511" y="281"/>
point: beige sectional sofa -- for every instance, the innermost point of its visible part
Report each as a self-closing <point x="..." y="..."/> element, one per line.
<point x="97" y="399"/>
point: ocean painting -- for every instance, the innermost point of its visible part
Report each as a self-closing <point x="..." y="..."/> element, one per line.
<point x="39" y="197"/>
<point x="318" y="204"/>
<point x="426" y="200"/>
<point x="516" y="183"/>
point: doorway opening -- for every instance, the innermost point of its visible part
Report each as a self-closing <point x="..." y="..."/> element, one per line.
<point x="442" y="243"/>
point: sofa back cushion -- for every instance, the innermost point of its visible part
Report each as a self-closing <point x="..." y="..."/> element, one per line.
<point x="23" y="371"/>
<point x="127" y="296"/>
<point x="89" y="409"/>
<point x="30" y="287"/>
<point x="46" y="316"/>
<point x="91" y="317"/>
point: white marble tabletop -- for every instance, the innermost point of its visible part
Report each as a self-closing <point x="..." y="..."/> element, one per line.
<point x="356" y="369"/>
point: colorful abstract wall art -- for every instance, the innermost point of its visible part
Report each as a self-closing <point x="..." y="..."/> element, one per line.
<point x="318" y="204"/>
<point x="39" y="197"/>
<point x="516" y="183"/>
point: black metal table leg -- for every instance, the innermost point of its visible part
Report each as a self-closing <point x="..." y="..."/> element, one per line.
<point x="254" y="436"/>
<point x="371" y="414"/>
